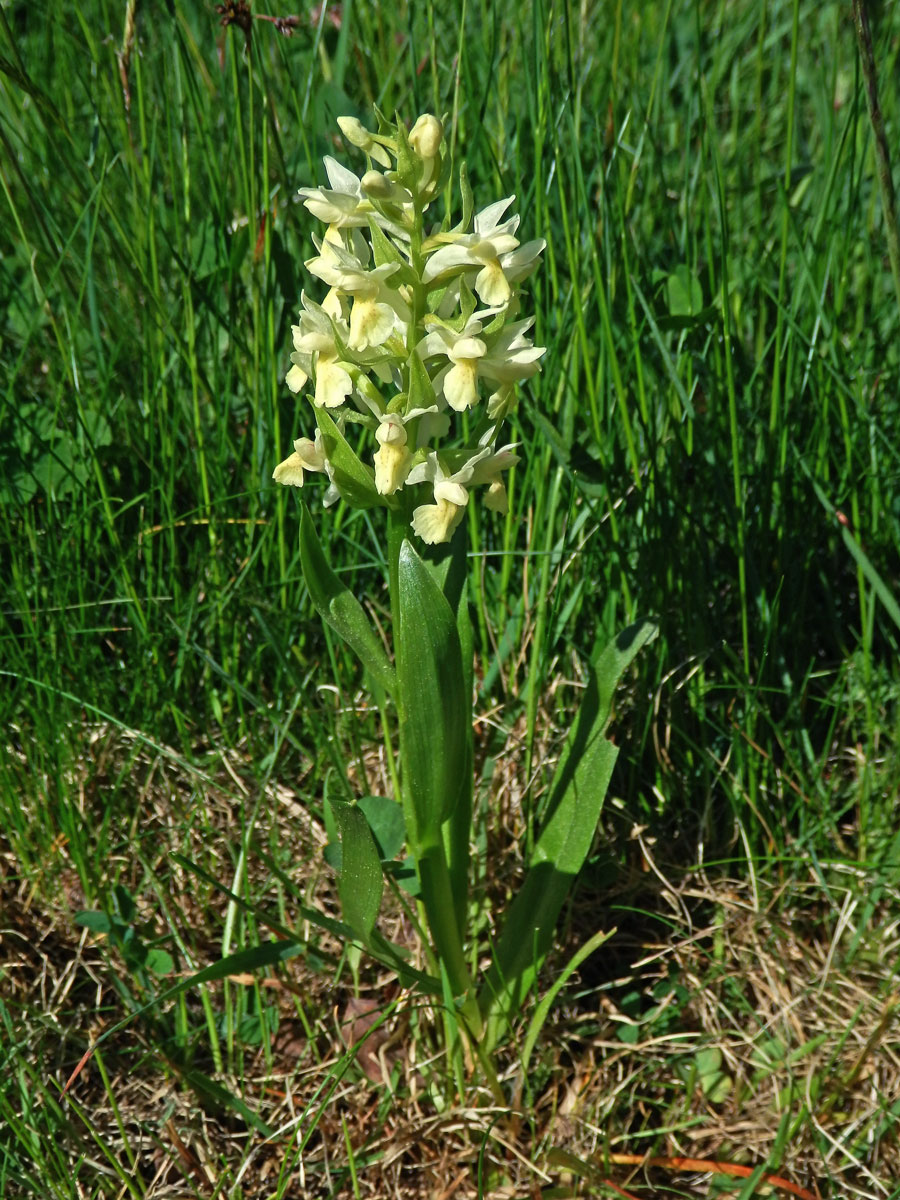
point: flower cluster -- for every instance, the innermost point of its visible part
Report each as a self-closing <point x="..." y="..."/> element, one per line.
<point x="416" y="325"/>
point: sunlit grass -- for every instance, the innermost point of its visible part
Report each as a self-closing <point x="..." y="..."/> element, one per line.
<point x="713" y="441"/>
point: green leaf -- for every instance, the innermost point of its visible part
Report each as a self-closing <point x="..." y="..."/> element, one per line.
<point x="409" y="165"/>
<point x="582" y="776"/>
<point x="384" y="951"/>
<point x="882" y="591"/>
<point x="337" y="929"/>
<point x="57" y="471"/>
<point x="665" y="356"/>
<point x="575" y="803"/>
<point x="235" y="964"/>
<point x="125" y="904"/>
<point x="714" y="1081"/>
<point x="421" y="389"/>
<point x="209" y="252"/>
<point x="683" y="293"/>
<point x="449" y="568"/>
<point x="97" y="429"/>
<point x="434" y="707"/>
<point x="361" y="881"/>
<point x="405" y="875"/>
<point x="354" y="480"/>
<point x="552" y="437"/>
<point x="468" y="198"/>
<point x="543" y="1009"/>
<point x="384" y="251"/>
<point x="255" y="1025"/>
<point x="331" y="852"/>
<point x="340" y="609"/>
<point x="160" y="962"/>
<point x="224" y="1099"/>
<point x="96" y="922"/>
<point x="385" y="817"/>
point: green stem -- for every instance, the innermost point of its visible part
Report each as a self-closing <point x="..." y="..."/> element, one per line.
<point x="440" y="914"/>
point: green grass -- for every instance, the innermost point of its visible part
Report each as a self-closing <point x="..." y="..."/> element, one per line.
<point x="714" y="440"/>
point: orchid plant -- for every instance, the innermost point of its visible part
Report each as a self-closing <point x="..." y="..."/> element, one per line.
<point x="410" y="364"/>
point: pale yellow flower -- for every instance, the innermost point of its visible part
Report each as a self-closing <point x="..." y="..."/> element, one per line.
<point x="378" y="309"/>
<point x="491" y="252"/>
<point x="307" y="456"/>
<point x="502" y="357"/>
<point x="480" y="250"/>
<point x="435" y="523"/>
<point x="496" y="498"/>
<point x="333" y="382"/>
<point x="343" y="204"/>
<point x="393" y="457"/>
<point x="314" y="345"/>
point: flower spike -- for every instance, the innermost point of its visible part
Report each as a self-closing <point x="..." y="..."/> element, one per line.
<point x="397" y="346"/>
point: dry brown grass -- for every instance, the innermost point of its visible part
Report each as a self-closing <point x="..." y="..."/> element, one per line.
<point x="799" y="999"/>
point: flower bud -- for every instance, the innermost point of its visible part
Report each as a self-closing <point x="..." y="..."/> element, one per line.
<point x="375" y="186"/>
<point x="357" y="135"/>
<point x="378" y="187"/>
<point x="426" y="135"/>
<point x="496" y="498"/>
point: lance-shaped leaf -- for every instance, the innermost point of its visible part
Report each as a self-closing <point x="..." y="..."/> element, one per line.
<point x="572" y="813"/>
<point x="434" y="707"/>
<point x="448" y="568"/>
<point x="340" y="609"/>
<point x="361" y="881"/>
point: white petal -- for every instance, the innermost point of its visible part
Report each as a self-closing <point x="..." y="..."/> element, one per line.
<point x="492" y="247"/>
<point x="460" y="385"/>
<point x="290" y="471"/>
<point x="424" y="472"/>
<point x="523" y="260"/>
<point x="501" y="403"/>
<point x="332" y="304"/>
<point x="371" y="324"/>
<point x="490" y="466"/>
<point x="467" y="347"/>
<point x="521" y="365"/>
<point x="296" y="378"/>
<point x="432" y="425"/>
<point x="316" y="343"/>
<point x="452" y="493"/>
<point x="489" y="217"/>
<point x="446" y="259"/>
<point x="491" y="284"/>
<point x="332" y="207"/>
<point x="340" y="177"/>
<point x="310" y="453"/>
<point x="390" y="431"/>
<point x="333" y="384"/>
<point x="434" y="523"/>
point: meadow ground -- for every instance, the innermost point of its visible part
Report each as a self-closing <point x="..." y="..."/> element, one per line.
<point x="714" y="440"/>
